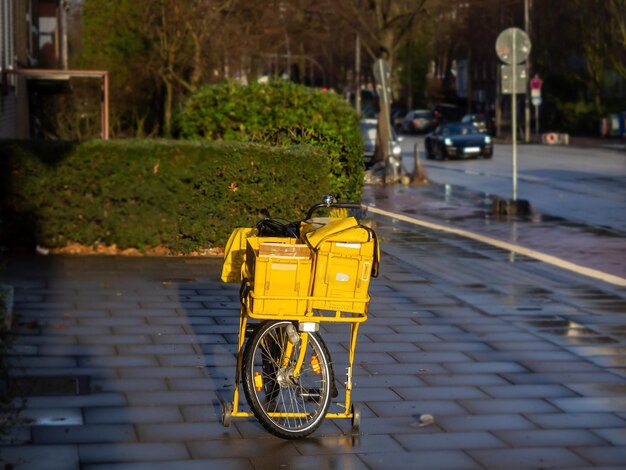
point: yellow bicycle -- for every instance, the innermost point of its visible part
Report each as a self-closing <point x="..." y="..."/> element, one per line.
<point x="294" y="277"/>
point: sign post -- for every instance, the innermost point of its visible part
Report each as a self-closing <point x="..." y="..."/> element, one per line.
<point x="535" y="95"/>
<point x="513" y="48"/>
<point x="382" y="76"/>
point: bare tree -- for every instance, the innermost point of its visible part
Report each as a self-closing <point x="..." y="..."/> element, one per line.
<point x="616" y="15"/>
<point x="180" y="34"/>
<point x="384" y="25"/>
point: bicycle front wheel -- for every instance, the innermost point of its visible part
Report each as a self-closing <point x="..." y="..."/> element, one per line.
<point x="289" y="398"/>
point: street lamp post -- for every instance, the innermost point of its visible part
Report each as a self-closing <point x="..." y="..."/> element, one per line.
<point x="526" y="97"/>
<point x="357" y="76"/>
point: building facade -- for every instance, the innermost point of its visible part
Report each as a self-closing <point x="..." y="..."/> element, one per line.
<point x="32" y="36"/>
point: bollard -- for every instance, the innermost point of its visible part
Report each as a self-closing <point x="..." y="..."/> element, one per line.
<point x="417" y="169"/>
<point x="418" y="175"/>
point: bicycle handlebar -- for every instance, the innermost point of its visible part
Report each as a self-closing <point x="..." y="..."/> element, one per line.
<point x="339" y="205"/>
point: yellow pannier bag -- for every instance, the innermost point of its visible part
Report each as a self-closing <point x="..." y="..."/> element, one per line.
<point x="333" y="226"/>
<point x="235" y="253"/>
<point x="346" y="257"/>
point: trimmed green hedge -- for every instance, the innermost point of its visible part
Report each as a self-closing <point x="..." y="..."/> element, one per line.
<point x="281" y="113"/>
<point x="151" y="193"/>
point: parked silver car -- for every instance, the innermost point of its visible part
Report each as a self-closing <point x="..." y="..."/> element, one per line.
<point x="369" y="132"/>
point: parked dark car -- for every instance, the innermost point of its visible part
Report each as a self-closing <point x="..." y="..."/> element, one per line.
<point x="419" y="121"/>
<point x="397" y="116"/>
<point x="458" y="140"/>
<point x="479" y="120"/>
<point x="446" y="112"/>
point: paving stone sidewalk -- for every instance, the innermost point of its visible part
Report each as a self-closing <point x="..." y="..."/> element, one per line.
<point x="125" y="361"/>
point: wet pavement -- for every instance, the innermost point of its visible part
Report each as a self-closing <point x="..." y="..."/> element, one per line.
<point x="124" y="362"/>
<point x="601" y="248"/>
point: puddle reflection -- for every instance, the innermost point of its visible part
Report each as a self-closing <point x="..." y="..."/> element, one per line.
<point x="574" y="332"/>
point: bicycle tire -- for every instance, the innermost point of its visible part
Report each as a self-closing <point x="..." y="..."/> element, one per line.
<point x="278" y="391"/>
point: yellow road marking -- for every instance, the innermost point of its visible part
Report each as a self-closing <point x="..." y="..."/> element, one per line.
<point x="561" y="263"/>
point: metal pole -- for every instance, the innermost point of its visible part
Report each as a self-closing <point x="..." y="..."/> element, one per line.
<point x="105" y="109"/>
<point x="537" y="120"/>
<point x="514" y="116"/>
<point x="526" y="93"/>
<point x="357" y="74"/>
<point x="64" y="52"/>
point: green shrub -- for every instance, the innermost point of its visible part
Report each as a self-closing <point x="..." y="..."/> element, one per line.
<point x="281" y="113"/>
<point x="149" y="193"/>
<point x="579" y="117"/>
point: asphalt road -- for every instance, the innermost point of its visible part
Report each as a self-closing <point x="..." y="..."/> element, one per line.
<point x="585" y="185"/>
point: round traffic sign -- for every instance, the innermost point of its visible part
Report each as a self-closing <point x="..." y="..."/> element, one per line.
<point x="535" y="83"/>
<point x="513" y="46"/>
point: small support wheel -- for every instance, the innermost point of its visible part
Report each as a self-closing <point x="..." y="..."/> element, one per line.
<point x="356" y="418"/>
<point x="227" y="410"/>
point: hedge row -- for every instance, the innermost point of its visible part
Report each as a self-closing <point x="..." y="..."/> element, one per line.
<point x="281" y="113"/>
<point x="151" y="193"/>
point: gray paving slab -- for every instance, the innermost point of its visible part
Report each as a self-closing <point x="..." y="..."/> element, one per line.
<point x="431" y="459"/>
<point x="508" y="405"/>
<point x="434" y="393"/>
<point x="37" y="457"/>
<point x="347" y="444"/>
<point x="528" y="457"/>
<point x="591" y="404"/>
<point x="604" y="456"/>
<point x="159" y="372"/>
<point x="433" y="378"/>
<point x="196" y="464"/>
<point x="120" y="452"/>
<point x="450" y="440"/>
<point x="493" y="423"/>
<point x="416" y="408"/>
<point x="135" y="415"/>
<point x="527" y="391"/>
<point x="100" y="432"/>
<point x="591" y="421"/>
<point x="181" y="432"/>
<point x="572" y="438"/>
<point x="83" y="401"/>
<point x="171" y="397"/>
<point x="617" y="436"/>
<point x="280" y="450"/>
<point x="307" y="462"/>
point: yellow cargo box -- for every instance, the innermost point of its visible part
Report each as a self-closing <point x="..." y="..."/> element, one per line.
<point x="280" y="270"/>
<point x="344" y="258"/>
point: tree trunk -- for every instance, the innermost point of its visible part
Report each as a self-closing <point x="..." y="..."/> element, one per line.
<point x="167" y="108"/>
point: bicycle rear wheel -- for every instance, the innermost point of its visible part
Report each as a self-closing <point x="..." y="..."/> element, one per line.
<point x="288" y="403"/>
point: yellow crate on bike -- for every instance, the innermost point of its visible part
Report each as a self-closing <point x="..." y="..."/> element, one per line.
<point x="280" y="270"/>
<point x="346" y="257"/>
